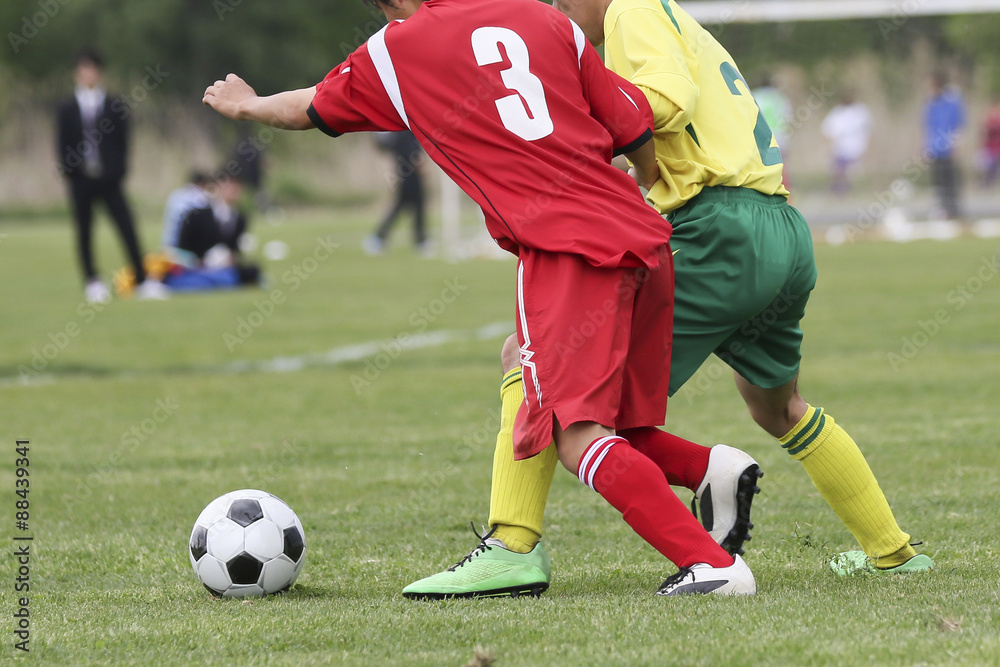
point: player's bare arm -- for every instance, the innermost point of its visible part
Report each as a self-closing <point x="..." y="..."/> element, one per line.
<point x="644" y="168"/>
<point x="234" y="98"/>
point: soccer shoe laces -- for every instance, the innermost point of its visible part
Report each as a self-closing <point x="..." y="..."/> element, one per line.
<point x="482" y="548"/>
<point x="676" y="578"/>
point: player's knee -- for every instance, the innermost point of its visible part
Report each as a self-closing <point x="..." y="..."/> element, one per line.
<point x="570" y="464"/>
<point x="779" y="418"/>
<point x="510" y="355"/>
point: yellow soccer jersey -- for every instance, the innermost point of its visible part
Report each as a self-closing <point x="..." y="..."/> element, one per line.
<point x="708" y="128"/>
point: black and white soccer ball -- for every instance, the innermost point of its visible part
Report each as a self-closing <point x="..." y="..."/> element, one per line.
<point x="247" y="543"/>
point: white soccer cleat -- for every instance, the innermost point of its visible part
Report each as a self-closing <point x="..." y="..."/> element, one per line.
<point x="703" y="579"/>
<point x="724" y="497"/>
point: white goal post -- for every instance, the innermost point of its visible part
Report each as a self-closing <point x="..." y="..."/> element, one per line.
<point x="785" y="11"/>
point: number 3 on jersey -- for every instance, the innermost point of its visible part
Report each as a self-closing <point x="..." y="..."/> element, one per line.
<point x="486" y="43"/>
<point x="769" y="155"/>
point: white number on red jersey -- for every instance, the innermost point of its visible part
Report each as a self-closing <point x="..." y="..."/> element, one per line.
<point x="485" y="44"/>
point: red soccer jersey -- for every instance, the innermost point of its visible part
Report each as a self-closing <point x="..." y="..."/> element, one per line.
<point x="510" y="100"/>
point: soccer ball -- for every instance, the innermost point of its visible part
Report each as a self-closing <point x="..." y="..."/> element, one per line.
<point x="247" y="542"/>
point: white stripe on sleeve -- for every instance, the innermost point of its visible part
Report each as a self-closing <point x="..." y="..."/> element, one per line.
<point x="581" y="41"/>
<point x="387" y="72"/>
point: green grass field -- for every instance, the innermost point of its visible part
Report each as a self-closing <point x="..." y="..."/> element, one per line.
<point x="139" y="414"/>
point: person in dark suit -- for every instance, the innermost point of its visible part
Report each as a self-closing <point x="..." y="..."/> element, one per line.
<point x="408" y="156"/>
<point x="92" y="154"/>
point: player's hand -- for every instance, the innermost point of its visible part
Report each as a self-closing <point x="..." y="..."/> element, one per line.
<point x="227" y="97"/>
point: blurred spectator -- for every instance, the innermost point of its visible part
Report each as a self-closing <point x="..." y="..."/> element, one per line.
<point x="991" y="145"/>
<point x="848" y="129"/>
<point x="247" y="164"/>
<point x="408" y="158"/>
<point x="180" y="202"/>
<point x="777" y="111"/>
<point x="944" y="119"/>
<point x="92" y="148"/>
<point x="207" y="250"/>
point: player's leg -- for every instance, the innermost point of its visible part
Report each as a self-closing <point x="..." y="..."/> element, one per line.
<point x="682" y="462"/>
<point x="839" y="470"/>
<point x="519" y="489"/>
<point x="723" y="478"/>
<point x="635" y="486"/>
<point x="766" y="354"/>
<point x="630" y="481"/>
<point x="510" y="559"/>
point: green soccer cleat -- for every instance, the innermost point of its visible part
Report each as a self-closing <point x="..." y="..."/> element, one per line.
<point x="856" y="562"/>
<point x="491" y="570"/>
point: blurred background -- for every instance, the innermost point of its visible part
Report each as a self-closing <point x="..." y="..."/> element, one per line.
<point x="161" y="55"/>
<point x="363" y="391"/>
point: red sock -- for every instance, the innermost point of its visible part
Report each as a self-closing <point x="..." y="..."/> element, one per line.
<point x="682" y="461"/>
<point x="636" y="487"/>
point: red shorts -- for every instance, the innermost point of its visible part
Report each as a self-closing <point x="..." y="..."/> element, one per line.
<point x="595" y="345"/>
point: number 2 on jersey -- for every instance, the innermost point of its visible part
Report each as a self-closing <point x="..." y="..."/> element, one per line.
<point x="486" y="43"/>
<point x="769" y="155"/>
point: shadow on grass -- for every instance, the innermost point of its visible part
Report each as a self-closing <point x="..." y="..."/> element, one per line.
<point x="25" y="373"/>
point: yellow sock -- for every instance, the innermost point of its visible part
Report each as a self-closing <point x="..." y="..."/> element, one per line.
<point x="520" y="488"/>
<point x="839" y="470"/>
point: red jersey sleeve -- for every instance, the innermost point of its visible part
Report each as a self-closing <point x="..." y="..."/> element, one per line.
<point x="618" y="105"/>
<point x="352" y="99"/>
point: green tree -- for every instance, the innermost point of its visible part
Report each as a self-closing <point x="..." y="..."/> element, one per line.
<point x="193" y="41"/>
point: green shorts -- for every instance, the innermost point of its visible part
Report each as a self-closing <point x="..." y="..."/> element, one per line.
<point x="744" y="268"/>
